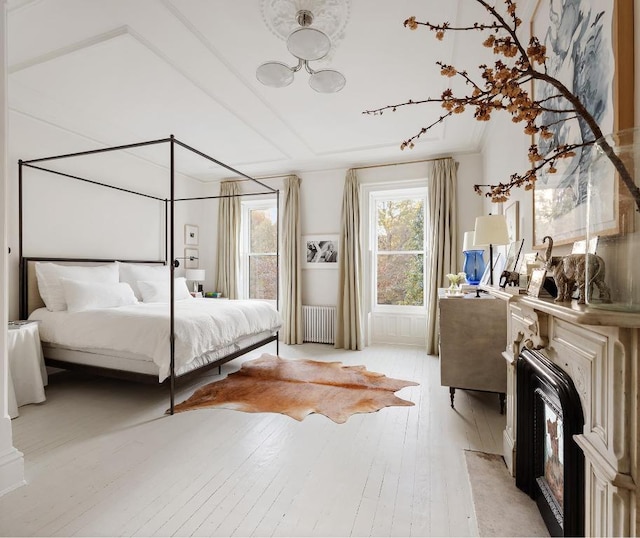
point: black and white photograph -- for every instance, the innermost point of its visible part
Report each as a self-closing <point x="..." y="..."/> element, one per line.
<point x="320" y="251"/>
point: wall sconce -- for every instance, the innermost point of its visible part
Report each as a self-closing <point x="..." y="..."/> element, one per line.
<point x="176" y="263"/>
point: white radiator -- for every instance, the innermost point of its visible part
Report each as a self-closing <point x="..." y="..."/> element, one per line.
<point x="319" y="324"/>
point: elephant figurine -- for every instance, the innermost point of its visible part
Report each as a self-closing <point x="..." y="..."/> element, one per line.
<point x="570" y="271"/>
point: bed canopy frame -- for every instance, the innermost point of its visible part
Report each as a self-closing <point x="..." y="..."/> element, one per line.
<point x="170" y="257"/>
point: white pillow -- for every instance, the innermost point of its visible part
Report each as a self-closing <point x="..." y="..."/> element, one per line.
<point x="49" y="275"/>
<point x="91" y="295"/>
<point x="131" y="273"/>
<point x="154" y="291"/>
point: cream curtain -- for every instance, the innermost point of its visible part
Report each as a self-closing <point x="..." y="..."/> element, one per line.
<point x="442" y="233"/>
<point x="349" y="323"/>
<point x="291" y="270"/>
<point x="229" y="218"/>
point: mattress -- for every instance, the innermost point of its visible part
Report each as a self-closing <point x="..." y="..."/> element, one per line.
<point x="136" y="337"/>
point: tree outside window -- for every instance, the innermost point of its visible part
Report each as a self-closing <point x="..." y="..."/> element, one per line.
<point x="259" y="253"/>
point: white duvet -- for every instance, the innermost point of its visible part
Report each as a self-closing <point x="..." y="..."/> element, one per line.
<point x="201" y="326"/>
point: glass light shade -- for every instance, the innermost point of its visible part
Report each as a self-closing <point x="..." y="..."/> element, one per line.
<point x="196" y="275"/>
<point x="491" y="230"/>
<point x="308" y="44"/>
<point x="275" y="74"/>
<point x="327" y="81"/>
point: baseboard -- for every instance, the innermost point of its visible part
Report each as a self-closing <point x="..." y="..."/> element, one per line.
<point x="11" y="470"/>
<point x="509" y="452"/>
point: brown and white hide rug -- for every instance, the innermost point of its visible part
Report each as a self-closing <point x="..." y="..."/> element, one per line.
<point x="298" y="387"/>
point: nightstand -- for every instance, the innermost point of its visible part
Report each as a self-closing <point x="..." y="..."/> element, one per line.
<point x="27" y="372"/>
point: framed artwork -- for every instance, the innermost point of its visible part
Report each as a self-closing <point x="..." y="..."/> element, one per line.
<point x="191" y="260"/>
<point x="320" y="251"/>
<point x="595" y="68"/>
<point x="513" y="255"/>
<point x="511" y="215"/>
<point x="190" y="234"/>
<point x="536" y="281"/>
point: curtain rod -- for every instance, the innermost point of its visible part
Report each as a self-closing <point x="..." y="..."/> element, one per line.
<point x="352" y="168"/>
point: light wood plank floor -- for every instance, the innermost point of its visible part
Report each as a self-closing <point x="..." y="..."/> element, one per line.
<point x="102" y="459"/>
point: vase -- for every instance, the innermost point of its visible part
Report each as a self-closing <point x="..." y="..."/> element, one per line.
<point x="473" y="266"/>
<point x="613" y="223"/>
<point x="454" y="289"/>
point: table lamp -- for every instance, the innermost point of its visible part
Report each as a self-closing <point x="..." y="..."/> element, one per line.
<point x="491" y="230"/>
<point x="195" y="275"/>
<point x="473" y="259"/>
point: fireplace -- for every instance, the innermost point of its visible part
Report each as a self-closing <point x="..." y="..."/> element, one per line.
<point x="550" y="465"/>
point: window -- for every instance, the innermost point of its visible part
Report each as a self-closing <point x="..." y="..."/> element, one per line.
<point x="259" y="265"/>
<point x="398" y="245"/>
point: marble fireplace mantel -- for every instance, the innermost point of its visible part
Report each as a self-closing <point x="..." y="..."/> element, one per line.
<point x="599" y="351"/>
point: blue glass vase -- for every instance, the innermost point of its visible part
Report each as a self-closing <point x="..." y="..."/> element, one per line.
<point x="473" y="266"/>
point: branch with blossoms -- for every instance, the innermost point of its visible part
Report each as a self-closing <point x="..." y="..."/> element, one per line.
<point x="503" y="87"/>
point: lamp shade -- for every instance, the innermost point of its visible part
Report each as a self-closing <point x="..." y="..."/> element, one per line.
<point x="491" y="230"/>
<point x="196" y="275"/>
<point x="468" y="243"/>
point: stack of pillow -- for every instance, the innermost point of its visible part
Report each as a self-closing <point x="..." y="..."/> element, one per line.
<point x="76" y="288"/>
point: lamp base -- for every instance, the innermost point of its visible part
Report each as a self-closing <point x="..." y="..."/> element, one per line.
<point x="473" y="266"/>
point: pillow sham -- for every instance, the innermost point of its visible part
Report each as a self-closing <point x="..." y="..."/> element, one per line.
<point x="92" y="295"/>
<point x="49" y="274"/>
<point x="154" y="291"/>
<point x="132" y="273"/>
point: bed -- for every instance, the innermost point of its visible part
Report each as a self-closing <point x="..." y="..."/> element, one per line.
<point x="158" y="339"/>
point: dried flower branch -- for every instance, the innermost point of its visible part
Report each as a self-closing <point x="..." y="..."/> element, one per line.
<point x="503" y="87"/>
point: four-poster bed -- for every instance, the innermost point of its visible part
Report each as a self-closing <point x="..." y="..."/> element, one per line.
<point x="202" y="333"/>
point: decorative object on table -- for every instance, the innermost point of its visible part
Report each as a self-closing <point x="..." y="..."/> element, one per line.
<point x="310" y="34"/>
<point x="571" y="271"/>
<point x="509" y="278"/>
<point x="536" y="282"/>
<point x="297" y="388"/>
<point x="191" y="258"/>
<point x="621" y="251"/>
<point x="491" y="230"/>
<point x="455" y="283"/>
<point x="191" y="234"/>
<point x="473" y="259"/>
<point x="196" y="276"/>
<point x="580" y="247"/>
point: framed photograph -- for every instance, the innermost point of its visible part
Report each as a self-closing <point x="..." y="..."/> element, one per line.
<point x="536" y="282"/>
<point x="320" y="251"/>
<point x="190" y="234"/>
<point x="512" y="216"/>
<point x="191" y="260"/>
<point x="580" y="247"/>
<point x="596" y="69"/>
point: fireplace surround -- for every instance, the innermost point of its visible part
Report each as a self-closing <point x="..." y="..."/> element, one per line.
<point x="550" y="465"/>
<point x="598" y="352"/>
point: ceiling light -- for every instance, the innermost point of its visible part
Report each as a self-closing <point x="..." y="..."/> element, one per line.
<point x="306" y="44"/>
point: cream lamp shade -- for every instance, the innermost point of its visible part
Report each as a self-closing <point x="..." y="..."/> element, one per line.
<point x="468" y="243"/>
<point x="491" y="230"/>
<point x="195" y="275"/>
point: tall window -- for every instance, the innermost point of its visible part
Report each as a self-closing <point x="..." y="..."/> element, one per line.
<point x="259" y="266"/>
<point x="398" y="233"/>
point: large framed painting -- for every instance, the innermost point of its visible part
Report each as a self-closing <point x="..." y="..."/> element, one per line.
<point x="590" y="50"/>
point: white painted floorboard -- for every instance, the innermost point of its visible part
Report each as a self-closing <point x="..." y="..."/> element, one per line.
<point x="102" y="459"/>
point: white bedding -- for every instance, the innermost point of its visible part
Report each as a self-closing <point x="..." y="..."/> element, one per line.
<point x="201" y="326"/>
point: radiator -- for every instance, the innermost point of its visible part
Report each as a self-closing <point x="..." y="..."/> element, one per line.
<point x="319" y="324"/>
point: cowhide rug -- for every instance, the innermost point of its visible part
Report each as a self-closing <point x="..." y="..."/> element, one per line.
<point x="299" y="387"/>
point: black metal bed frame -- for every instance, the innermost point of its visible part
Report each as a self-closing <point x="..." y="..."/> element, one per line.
<point x="169" y="239"/>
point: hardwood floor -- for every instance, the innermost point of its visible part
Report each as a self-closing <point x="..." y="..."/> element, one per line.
<point x="101" y="459"/>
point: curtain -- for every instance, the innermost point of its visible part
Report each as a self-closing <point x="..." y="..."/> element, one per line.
<point x="442" y="233"/>
<point x="349" y="323"/>
<point x="229" y="218"/>
<point x="291" y="271"/>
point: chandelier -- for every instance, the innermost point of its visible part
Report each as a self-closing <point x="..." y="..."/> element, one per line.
<point x="305" y="42"/>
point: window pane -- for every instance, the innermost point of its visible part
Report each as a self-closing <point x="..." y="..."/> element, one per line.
<point x="262" y="277"/>
<point x="400" y="279"/>
<point x="400" y="224"/>
<point x="263" y="230"/>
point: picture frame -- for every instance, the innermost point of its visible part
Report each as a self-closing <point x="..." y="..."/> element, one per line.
<point x="580" y="247"/>
<point x="604" y="55"/>
<point x="513" y="256"/>
<point x="512" y="217"/>
<point x="191" y="234"/>
<point x="191" y="258"/>
<point x="320" y="251"/>
<point x="536" y="282"/>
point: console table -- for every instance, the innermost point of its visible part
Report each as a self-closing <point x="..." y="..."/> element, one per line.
<point x="473" y="335"/>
